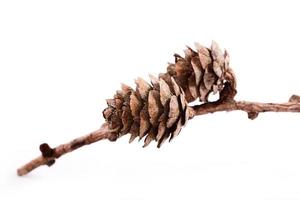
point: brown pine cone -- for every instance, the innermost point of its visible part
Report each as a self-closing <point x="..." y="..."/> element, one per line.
<point x="202" y="72"/>
<point x="157" y="111"/>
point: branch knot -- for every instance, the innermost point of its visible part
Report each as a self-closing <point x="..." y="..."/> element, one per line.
<point x="46" y="150"/>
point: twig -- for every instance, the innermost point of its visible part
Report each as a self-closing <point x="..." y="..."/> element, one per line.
<point x="226" y="103"/>
<point x="49" y="155"/>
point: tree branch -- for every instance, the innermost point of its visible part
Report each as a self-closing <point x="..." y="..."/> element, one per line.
<point x="49" y="155"/>
<point x="226" y="103"/>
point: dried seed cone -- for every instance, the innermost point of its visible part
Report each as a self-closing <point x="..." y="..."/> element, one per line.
<point x="160" y="109"/>
<point x="202" y="72"/>
<point x="156" y="111"/>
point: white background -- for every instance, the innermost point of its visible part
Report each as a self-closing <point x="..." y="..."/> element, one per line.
<point x="59" y="61"/>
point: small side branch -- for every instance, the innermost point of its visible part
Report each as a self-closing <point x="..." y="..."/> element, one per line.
<point x="252" y="108"/>
<point x="49" y="155"/>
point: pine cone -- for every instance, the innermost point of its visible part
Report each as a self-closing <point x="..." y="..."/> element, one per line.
<point x="202" y="72"/>
<point x="157" y="111"/>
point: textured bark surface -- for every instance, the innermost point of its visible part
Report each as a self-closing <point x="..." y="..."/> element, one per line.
<point x="158" y="110"/>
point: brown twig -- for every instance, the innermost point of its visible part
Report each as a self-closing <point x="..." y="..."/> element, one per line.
<point x="49" y="155"/>
<point x="226" y="103"/>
